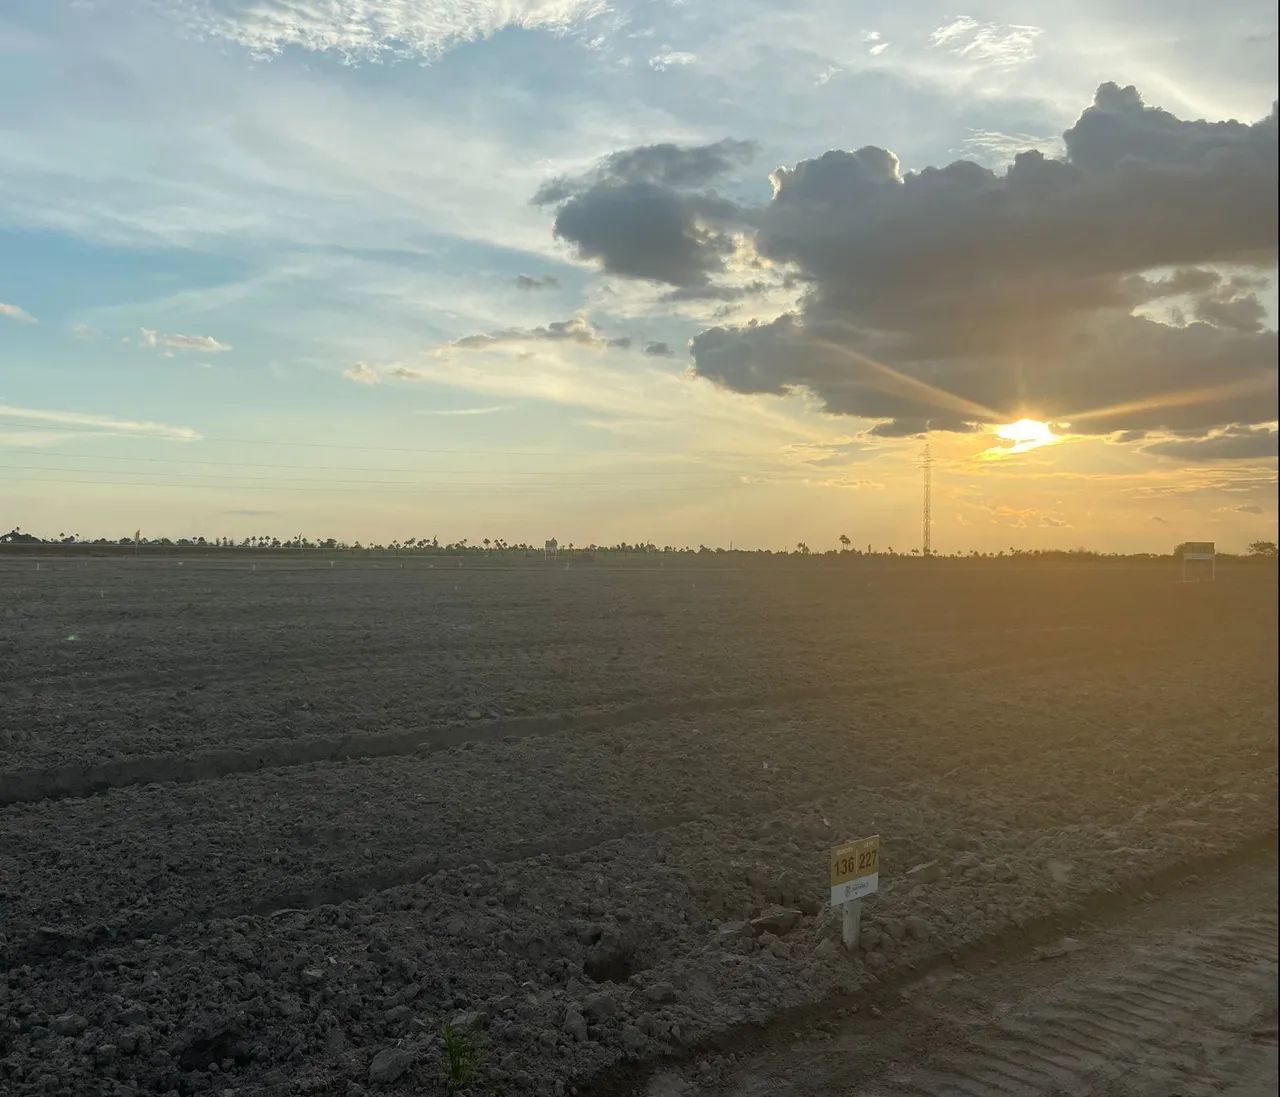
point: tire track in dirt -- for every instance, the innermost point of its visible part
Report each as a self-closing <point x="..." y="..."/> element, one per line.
<point x="74" y="782"/>
<point x="1151" y="1019"/>
<point x="189" y="671"/>
<point x="35" y="785"/>
<point x="50" y="943"/>
<point x="1034" y="1031"/>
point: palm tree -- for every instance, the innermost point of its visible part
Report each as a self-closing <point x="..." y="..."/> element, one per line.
<point x="845" y="542"/>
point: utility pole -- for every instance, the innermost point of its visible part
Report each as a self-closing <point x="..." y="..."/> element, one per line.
<point x="926" y="466"/>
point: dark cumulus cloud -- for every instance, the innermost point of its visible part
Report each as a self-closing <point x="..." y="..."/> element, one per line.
<point x="712" y="292"/>
<point x="536" y="281"/>
<point x="658" y="349"/>
<point x="957" y="295"/>
<point x="648" y="212"/>
<point x="1234" y="443"/>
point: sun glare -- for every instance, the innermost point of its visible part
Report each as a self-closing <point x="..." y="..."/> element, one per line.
<point x="1025" y="434"/>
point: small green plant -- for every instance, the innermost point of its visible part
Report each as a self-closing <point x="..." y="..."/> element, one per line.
<point x="462" y="1056"/>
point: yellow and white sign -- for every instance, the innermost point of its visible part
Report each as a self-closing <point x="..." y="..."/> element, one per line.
<point x="855" y="870"/>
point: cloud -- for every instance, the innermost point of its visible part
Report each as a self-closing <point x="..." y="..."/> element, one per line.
<point x="1161" y="521"/>
<point x="665" y="165"/>
<point x="717" y="292"/>
<point x="960" y="294"/>
<point x="532" y="282"/>
<point x="577" y="330"/>
<point x="12" y="312"/>
<point x="1234" y="443"/>
<point x="667" y="58"/>
<point x="1246" y="508"/>
<point x="996" y="149"/>
<point x="103" y="424"/>
<point x="492" y="409"/>
<point x="1228" y="302"/>
<point x="381" y="29"/>
<point x="847" y="483"/>
<point x="875" y="42"/>
<point x="1002" y="514"/>
<point x="163" y="341"/>
<point x="987" y="43"/>
<point x="638" y="214"/>
<point x="362" y="374"/>
<point x="910" y="427"/>
<point x="658" y="349"/>
<point x="830" y="453"/>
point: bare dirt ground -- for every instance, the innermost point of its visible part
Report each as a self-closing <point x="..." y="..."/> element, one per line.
<point x="1172" y="995"/>
<point x="265" y="830"/>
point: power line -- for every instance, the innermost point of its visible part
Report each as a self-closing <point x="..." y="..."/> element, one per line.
<point x="927" y="517"/>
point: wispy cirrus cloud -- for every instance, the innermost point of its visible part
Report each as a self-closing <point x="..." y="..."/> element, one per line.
<point x="987" y="43"/>
<point x="1234" y="443"/>
<point x="491" y="409"/>
<point x="13" y="312"/>
<point x="164" y="341"/>
<point x="660" y="62"/>
<point x="875" y="42"/>
<point x="79" y="421"/>
<point x="375" y="30"/>
<point x="993" y="148"/>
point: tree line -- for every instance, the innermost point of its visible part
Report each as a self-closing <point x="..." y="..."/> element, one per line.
<point x="500" y="546"/>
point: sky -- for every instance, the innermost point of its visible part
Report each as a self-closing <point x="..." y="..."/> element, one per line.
<point x="680" y="271"/>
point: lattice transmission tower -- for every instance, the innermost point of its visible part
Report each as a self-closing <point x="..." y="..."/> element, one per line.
<point x="926" y="466"/>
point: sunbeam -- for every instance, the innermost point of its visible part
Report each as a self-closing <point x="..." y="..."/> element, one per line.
<point x="1178" y="399"/>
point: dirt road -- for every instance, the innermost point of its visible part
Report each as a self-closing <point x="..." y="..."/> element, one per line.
<point x="1175" y="997"/>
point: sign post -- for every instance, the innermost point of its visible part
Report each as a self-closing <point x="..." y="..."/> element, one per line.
<point x="855" y="872"/>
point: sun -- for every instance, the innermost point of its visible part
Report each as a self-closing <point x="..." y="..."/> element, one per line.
<point x="1025" y="434"/>
<point x="1025" y="431"/>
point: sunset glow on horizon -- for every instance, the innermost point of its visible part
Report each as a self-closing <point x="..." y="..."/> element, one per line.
<point x="260" y="279"/>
